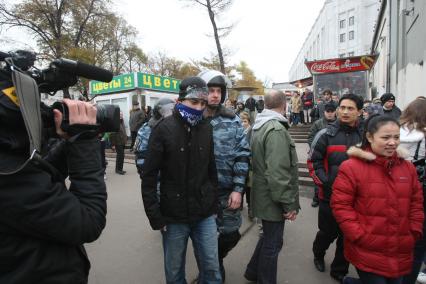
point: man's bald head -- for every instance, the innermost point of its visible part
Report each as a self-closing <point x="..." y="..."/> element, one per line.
<point x="275" y="99"/>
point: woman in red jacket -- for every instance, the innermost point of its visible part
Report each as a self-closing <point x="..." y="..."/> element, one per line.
<point x="378" y="203"/>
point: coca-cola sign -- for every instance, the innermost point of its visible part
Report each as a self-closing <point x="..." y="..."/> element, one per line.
<point x="323" y="67"/>
<point x="339" y="65"/>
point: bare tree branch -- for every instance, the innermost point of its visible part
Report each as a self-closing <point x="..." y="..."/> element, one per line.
<point x="214" y="10"/>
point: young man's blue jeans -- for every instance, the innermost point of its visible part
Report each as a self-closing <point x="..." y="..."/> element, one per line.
<point x="263" y="263"/>
<point x="371" y="278"/>
<point x="204" y="240"/>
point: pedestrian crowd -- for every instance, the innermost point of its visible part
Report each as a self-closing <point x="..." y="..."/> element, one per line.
<point x="367" y="160"/>
<point x="199" y="156"/>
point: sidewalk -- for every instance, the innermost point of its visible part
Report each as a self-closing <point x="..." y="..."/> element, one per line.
<point x="129" y="251"/>
<point x="302" y="152"/>
<point x="295" y="264"/>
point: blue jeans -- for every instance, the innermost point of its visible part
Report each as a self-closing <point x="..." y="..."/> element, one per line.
<point x="204" y="240"/>
<point x="263" y="263"/>
<point x="371" y="278"/>
<point x="295" y="118"/>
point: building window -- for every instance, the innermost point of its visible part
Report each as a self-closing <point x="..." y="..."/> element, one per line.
<point x="342" y="38"/>
<point x="342" y="24"/>
<point x="341" y="55"/>
<point x="351" y="53"/>
<point x="351" y="21"/>
<point x="351" y="35"/>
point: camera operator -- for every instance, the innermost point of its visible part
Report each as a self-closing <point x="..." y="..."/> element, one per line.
<point x="44" y="224"/>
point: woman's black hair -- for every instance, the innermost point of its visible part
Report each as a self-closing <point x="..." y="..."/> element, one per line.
<point x="372" y="125"/>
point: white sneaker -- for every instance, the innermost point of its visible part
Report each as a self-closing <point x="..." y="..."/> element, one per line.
<point x="421" y="278"/>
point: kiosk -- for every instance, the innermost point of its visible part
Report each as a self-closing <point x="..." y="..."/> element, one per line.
<point x="342" y="75"/>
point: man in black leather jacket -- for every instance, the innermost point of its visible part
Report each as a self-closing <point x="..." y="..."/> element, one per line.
<point x="44" y="224"/>
<point x="181" y="147"/>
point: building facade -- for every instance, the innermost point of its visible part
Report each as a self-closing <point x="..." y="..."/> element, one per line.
<point x="400" y="43"/>
<point x="343" y="28"/>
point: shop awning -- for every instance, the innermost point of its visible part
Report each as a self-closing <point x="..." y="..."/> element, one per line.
<point x="303" y="83"/>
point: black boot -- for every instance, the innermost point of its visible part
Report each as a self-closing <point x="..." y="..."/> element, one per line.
<point x="222" y="269"/>
<point x="337" y="276"/>
<point x="319" y="264"/>
<point x="226" y="242"/>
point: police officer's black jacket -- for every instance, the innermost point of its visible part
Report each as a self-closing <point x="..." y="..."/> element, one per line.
<point x="188" y="184"/>
<point x="328" y="151"/>
<point x="43" y="225"/>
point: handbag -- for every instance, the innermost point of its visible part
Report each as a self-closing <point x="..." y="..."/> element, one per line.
<point x="420" y="165"/>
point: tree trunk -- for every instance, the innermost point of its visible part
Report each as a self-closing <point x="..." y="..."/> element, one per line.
<point x="216" y="37"/>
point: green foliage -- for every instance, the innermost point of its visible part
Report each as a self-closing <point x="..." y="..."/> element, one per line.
<point x="88" y="31"/>
<point x="248" y="79"/>
<point x="78" y="29"/>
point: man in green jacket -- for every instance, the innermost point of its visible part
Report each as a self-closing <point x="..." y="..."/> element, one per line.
<point x="275" y="189"/>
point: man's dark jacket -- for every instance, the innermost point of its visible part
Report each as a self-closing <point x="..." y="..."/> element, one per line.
<point x="188" y="183"/>
<point x="137" y="118"/>
<point x="395" y="112"/>
<point x="119" y="138"/>
<point x="316" y="127"/>
<point x="43" y="225"/>
<point x="328" y="151"/>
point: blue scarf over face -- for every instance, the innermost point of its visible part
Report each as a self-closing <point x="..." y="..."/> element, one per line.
<point x="190" y="115"/>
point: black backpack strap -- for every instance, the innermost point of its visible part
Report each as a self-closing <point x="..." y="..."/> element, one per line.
<point x="416" y="155"/>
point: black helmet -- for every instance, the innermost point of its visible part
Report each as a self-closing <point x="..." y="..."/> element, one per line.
<point x="163" y="108"/>
<point x="215" y="78"/>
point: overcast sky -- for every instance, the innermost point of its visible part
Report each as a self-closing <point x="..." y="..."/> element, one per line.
<point x="268" y="34"/>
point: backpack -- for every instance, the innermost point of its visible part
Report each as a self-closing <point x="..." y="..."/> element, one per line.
<point x="420" y="165"/>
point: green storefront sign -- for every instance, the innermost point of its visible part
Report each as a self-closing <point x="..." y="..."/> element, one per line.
<point x="118" y="84"/>
<point x="135" y="80"/>
<point x="159" y="83"/>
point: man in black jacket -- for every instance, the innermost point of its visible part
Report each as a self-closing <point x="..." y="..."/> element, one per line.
<point x="251" y="107"/>
<point x="137" y="118"/>
<point x="328" y="151"/>
<point x="181" y="147"/>
<point x="43" y="225"/>
<point x="389" y="107"/>
<point x="329" y="117"/>
<point x="118" y="142"/>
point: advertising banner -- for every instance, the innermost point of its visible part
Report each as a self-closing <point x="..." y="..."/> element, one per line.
<point x="341" y="65"/>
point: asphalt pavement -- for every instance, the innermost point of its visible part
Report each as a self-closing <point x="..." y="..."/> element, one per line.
<point x="129" y="251"/>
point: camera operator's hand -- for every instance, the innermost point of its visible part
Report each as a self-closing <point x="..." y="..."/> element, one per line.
<point x="79" y="113"/>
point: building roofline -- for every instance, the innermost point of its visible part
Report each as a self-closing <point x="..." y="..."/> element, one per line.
<point x="377" y="28"/>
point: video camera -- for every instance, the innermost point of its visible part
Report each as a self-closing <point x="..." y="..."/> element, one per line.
<point x="28" y="124"/>
<point x="60" y="75"/>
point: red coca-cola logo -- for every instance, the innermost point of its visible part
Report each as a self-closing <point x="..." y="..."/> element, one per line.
<point x="327" y="66"/>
